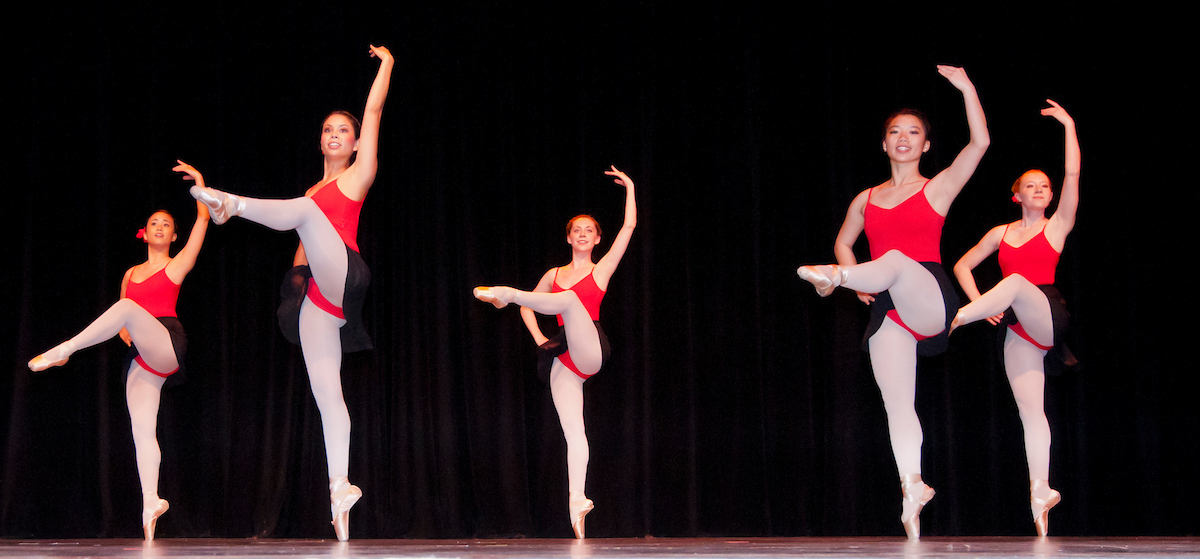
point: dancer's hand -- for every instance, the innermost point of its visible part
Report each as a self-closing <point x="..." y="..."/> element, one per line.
<point x="622" y="179"/>
<point x="866" y="298"/>
<point x="1059" y="113"/>
<point x="125" y="337"/>
<point x="382" y="53"/>
<point x="956" y="76"/>
<point x="995" y="320"/>
<point x="192" y="173"/>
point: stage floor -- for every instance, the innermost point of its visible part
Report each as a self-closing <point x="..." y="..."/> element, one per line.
<point x="615" y="548"/>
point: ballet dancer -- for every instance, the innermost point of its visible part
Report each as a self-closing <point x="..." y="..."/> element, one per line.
<point x="323" y="294"/>
<point x="145" y="319"/>
<point x="580" y="348"/>
<point x="1028" y="253"/>
<point x="909" y="292"/>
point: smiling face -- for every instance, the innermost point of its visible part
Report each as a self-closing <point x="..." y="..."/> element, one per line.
<point x="339" y="136"/>
<point x="904" y="137"/>
<point x="583" y="233"/>
<point x="160" y="229"/>
<point x="1032" y="190"/>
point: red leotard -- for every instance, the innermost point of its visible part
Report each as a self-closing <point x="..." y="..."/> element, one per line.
<point x="1036" y="261"/>
<point x="342" y="212"/>
<point x="912" y="227"/>
<point x="590" y="295"/>
<point x="343" y="215"/>
<point x="157" y="294"/>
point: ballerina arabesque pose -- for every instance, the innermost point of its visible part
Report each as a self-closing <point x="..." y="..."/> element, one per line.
<point x="145" y="319"/>
<point x="909" y="292"/>
<point x="1028" y="254"/>
<point x="573" y="292"/>
<point x="323" y="294"/>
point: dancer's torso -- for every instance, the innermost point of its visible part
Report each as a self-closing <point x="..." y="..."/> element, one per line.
<point x="342" y="212"/>
<point x="913" y="227"/>
<point x="157" y="293"/>
<point x="1034" y="259"/>
<point x="587" y="290"/>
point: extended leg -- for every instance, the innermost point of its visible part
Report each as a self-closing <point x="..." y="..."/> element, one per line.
<point x="581" y="333"/>
<point x="1029" y="302"/>
<point x="323" y="247"/>
<point x="321" y="343"/>
<point x="148" y="334"/>
<point x="1023" y="364"/>
<point x="915" y="292"/>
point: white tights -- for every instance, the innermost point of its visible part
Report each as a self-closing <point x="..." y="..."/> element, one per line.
<point x="1023" y="364"/>
<point x="142" y="387"/>
<point x="1025" y="298"/>
<point x="918" y="299"/>
<point x="566" y="387"/>
<point x="320" y="339"/>
<point x="142" y="391"/>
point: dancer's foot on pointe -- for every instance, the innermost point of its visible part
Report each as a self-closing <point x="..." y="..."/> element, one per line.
<point x="824" y="278"/>
<point x="1041" y="500"/>
<point x="498" y="296"/>
<point x="55" y="357"/>
<point x="579" y="506"/>
<point x="916" y="495"/>
<point x="342" y="497"/>
<point x="151" y="510"/>
<point x="222" y="205"/>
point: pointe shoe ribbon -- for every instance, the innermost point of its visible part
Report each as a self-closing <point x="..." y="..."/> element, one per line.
<point x="486" y="295"/>
<point x="148" y="524"/>
<point x="579" y="507"/>
<point x="824" y="284"/>
<point x="222" y="206"/>
<point x="916" y="495"/>
<point x="342" y="497"/>
<point x="1040" y="507"/>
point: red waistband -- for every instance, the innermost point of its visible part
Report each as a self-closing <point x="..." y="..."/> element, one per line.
<point x="314" y="295"/>
<point x="143" y="365"/>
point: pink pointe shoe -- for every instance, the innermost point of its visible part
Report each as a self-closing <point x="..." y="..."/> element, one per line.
<point x="916" y="494"/>
<point x="490" y="295"/>
<point x="1040" y="507"/>
<point x="55" y="357"/>
<point x="579" y="507"/>
<point x="150" y="517"/>
<point x="221" y="205"/>
<point x="342" y="497"/>
<point x="824" y="283"/>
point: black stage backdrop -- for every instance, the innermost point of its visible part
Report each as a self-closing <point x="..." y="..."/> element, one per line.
<point x="737" y="402"/>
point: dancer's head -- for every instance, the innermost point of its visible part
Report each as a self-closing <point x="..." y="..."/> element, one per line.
<point x="160" y="228"/>
<point x="339" y="134"/>
<point x="910" y="126"/>
<point x="583" y="231"/>
<point x="1033" y="189"/>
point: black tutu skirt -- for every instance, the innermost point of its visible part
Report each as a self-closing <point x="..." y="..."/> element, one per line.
<point x="295" y="287"/>
<point x="178" y="343"/>
<point x="558" y="345"/>
<point x="929" y="346"/>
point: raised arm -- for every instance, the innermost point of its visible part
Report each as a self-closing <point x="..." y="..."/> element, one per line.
<point x="962" y="269"/>
<point x="529" y="317"/>
<point x="852" y="227"/>
<point x="357" y="180"/>
<point x="945" y="186"/>
<point x="179" y="266"/>
<point x="1063" y="220"/>
<point x="606" y="266"/>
